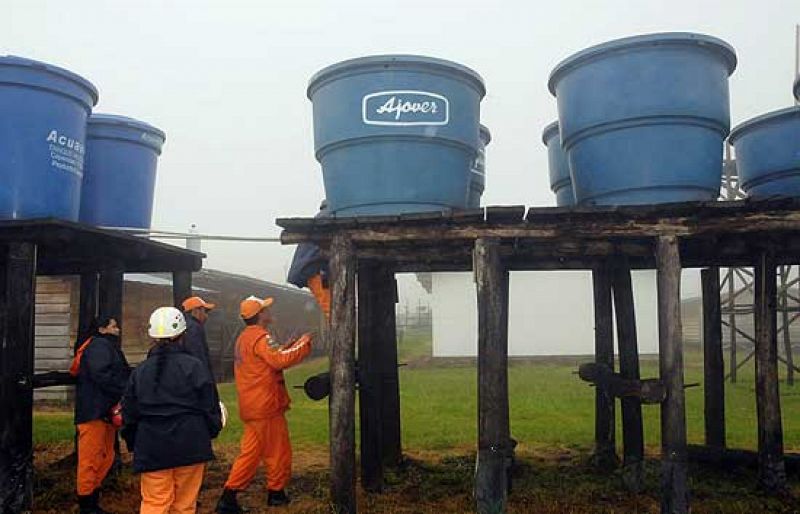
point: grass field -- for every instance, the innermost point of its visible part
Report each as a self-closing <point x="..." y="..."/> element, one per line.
<point x="551" y="417"/>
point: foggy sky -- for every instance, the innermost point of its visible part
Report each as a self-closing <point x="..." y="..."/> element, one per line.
<point x="226" y="81"/>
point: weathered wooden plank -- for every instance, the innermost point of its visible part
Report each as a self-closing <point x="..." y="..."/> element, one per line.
<point x="605" y="455"/>
<point x="60" y="308"/>
<point x="16" y="376"/>
<point x="52" y="330"/>
<point x="342" y="398"/>
<point x="647" y="391"/>
<point x="771" y="469"/>
<point x="53" y="319"/>
<point x="675" y="472"/>
<point x="632" y="423"/>
<point x="491" y="480"/>
<point x="65" y="352"/>
<point x="713" y="361"/>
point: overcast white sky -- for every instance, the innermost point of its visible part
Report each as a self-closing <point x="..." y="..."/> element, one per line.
<point x="226" y="80"/>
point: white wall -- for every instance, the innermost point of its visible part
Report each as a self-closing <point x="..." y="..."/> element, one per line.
<point x="550" y="313"/>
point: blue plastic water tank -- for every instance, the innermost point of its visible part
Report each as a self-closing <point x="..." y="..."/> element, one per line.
<point x="121" y="159"/>
<point x="797" y="89"/>
<point x="560" y="180"/>
<point x="768" y="154"/>
<point x="43" y="111"/>
<point x="396" y="133"/>
<point x="643" y="119"/>
<point x="477" y="180"/>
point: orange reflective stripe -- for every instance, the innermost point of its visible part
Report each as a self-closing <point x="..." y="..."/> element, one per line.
<point x="75" y="367"/>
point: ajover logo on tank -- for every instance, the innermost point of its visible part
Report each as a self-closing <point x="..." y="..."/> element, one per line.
<point x="405" y="108"/>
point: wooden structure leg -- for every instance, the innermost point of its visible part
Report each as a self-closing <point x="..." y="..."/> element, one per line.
<point x="18" y="276"/>
<point x="771" y="468"/>
<point x="493" y="412"/>
<point x="632" y="423"/>
<point x="342" y="357"/>
<point x="605" y="454"/>
<point x="713" y="362"/>
<point x="675" y="472"/>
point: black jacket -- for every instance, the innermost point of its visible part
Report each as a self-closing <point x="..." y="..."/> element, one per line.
<point x="101" y="379"/>
<point x="308" y="261"/>
<point x="170" y="424"/>
<point x="194" y="341"/>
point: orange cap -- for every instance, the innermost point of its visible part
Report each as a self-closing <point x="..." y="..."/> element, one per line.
<point x="253" y="305"/>
<point x="195" y="302"/>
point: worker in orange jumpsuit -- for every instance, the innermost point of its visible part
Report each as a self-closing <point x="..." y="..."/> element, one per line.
<point x="171" y="414"/>
<point x="309" y="269"/>
<point x="102" y="372"/>
<point x="263" y="401"/>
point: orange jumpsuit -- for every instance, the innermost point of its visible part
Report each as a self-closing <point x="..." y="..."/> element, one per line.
<point x="321" y="293"/>
<point x="263" y="400"/>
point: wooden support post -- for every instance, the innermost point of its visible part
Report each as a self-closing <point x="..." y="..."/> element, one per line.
<point x="87" y="310"/>
<point x="674" y="472"/>
<point x="491" y="481"/>
<point x="632" y="424"/>
<point x="16" y="377"/>
<point x="392" y="448"/>
<point x="771" y="469"/>
<point x="713" y="362"/>
<point x="605" y="454"/>
<point x="342" y="398"/>
<point x="110" y="296"/>
<point x="787" y="338"/>
<point x="732" y="323"/>
<point x="181" y="287"/>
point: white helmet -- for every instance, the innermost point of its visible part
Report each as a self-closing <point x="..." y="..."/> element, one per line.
<point x="166" y="323"/>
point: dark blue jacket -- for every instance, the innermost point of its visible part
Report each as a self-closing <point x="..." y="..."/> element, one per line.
<point x="195" y="343"/>
<point x="101" y="379"/>
<point x="170" y="411"/>
<point x="308" y="261"/>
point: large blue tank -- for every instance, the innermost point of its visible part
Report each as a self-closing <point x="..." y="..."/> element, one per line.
<point x="119" y="180"/>
<point x="797" y="89"/>
<point x="43" y="111"/>
<point x="768" y="154"/>
<point x="560" y="180"/>
<point x="643" y="119"/>
<point x="396" y="133"/>
<point x="477" y="180"/>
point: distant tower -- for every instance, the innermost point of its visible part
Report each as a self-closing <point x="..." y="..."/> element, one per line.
<point x="194" y="244"/>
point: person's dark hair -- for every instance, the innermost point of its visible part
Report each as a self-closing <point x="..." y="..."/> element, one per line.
<point x="94" y="327"/>
<point x="251" y="321"/>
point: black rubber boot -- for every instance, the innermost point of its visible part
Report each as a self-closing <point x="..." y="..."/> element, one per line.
<point x="277" y="498"/>
<point x="228" y="504"/>
<point x="96" y="500"/>
<point x="86" y="504"/>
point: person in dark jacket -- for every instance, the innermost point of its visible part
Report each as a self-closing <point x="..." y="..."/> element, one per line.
<point x="102" y="372"/>
<point x="309" y="269"/>
<point x="196" y="311"/>
<point x="171" y="415"/>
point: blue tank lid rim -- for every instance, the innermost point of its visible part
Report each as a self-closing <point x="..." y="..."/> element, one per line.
<point x="485" y="134"/>
<point x="23" y="62"/>
<point x="547" y="133"/>
<point x="375" y="61"/>
<point x="764" y="119"/>
<point x="722" y="48"/>
<point x="117" y="120"/>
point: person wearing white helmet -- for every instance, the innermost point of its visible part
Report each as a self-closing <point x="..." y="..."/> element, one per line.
<point x="170" y="416"/>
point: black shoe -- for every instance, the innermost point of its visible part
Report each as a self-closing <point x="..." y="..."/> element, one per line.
<point x="228" y="504"/>
<point x="96" y="499"/>
<point x="86" y="504"/>
<point x="277" y="498"/>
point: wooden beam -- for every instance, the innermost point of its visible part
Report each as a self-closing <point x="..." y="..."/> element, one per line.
<point x="369" y="381"/>
<point x="391" y="434"/>
<point x="181" y="287"/>
<point x="632" y="424"/>
<point x="342" y="398"/>
<point x="605" y="454"/>
<point x="88" y="302"/>
<point x="16" y="377"/>
<point x="787" y="338"/>
<point x="491" y="481"/>
<point x="713" y="361"/>
<point x="674" y="472"/>
<point x="110" y="294"/>
<point x="771" y="469"/>
<point x="648" y="391"/>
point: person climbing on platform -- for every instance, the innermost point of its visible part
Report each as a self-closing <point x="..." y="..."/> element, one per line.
<point x="309" y="269"/>
<point x="102" y="372"/>
<point x="263" y="402"/>
<point x="171" y="415"/>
